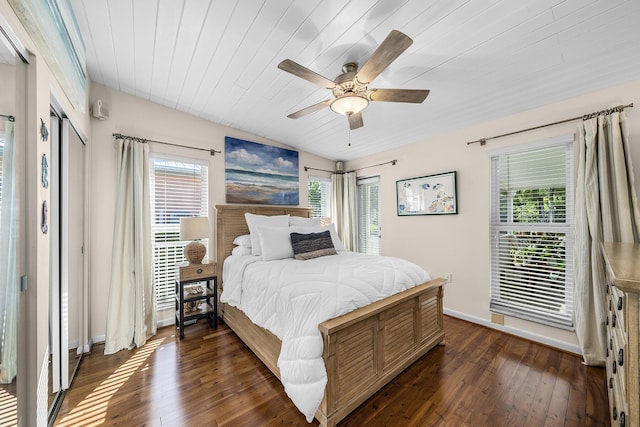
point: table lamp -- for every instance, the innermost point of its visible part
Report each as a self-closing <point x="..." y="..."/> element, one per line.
<point x="194" y="229"/>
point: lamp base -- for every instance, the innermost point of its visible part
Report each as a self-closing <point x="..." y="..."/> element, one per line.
<point x="194" y="252"/>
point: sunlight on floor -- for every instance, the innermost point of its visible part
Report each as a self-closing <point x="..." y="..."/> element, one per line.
<point x="8" y="409"/>
<point x="93" y="409"/>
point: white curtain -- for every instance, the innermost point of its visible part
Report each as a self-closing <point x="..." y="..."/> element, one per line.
<point x="9" y="285"/>
<point x="344" y="208"/>
<point x="131" y="309"/>
<point x="606" y="209"/>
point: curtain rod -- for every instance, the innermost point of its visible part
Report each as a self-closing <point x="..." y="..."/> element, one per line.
<point x="211" y="151"/>
<point x="483" y="141"/>
<point x="8" y="117"/>
<point x="393" y="162"/>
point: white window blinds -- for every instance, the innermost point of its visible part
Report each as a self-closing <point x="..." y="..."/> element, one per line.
<point x="369" y="215"/>
<point x="178" y="189"/>
<point x="532" y="232"/>
<point x="319" y="196"/>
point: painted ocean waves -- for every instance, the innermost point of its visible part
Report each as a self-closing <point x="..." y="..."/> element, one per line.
<point x="260" y="174"/>
<point x="255" y="187"/>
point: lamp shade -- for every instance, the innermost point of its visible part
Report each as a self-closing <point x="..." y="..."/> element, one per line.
<point x="195" y="228"/>
<point x="349" y="104"/>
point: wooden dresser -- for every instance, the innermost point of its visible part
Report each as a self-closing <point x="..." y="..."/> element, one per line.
<point x="622" y="299"/>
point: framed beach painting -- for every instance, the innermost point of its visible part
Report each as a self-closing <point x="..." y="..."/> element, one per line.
<point x="428" y="195"/>
<point x="260" y="174"/>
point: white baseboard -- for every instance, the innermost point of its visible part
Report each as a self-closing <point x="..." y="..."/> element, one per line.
<point x="165" y="322"/>
<point x="561" y="345"/>
<point x="160" y="324"/>
<point x="97" y="339"/>
<point x="473" y="319"/>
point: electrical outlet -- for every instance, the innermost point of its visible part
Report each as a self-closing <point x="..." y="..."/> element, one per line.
<point x="448" y="277"/>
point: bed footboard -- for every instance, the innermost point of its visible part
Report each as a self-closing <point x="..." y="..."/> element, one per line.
<point x="364" y="349"/>
<point x="367" y="348"/>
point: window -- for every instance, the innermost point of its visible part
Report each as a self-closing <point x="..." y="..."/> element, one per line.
<point x="319" y="197"/>
<point x="532" y="232"/>
<point x="369" y="215"/>
<point x="178" y="189"/>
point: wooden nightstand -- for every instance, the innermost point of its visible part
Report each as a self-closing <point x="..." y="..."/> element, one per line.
<point x="196" y="294"/>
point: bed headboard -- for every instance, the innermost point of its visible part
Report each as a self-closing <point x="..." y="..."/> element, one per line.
<point x="230" y="223"/>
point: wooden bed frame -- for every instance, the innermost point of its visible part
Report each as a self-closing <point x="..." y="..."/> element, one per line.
<point x="363" y="349"/>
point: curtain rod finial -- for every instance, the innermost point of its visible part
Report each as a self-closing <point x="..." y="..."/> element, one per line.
<point x="393" y="162"/>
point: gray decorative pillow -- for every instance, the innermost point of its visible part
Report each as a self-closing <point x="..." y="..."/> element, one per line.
<point x="312" y="245"/>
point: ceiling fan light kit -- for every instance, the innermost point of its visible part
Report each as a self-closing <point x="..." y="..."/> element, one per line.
<point x="351" y="88"/>
<point x="349" y="104"/>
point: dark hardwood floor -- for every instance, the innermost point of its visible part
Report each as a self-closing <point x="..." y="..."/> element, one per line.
<point x="480" y="377"/>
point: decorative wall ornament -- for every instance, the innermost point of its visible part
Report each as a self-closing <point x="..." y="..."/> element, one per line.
<point x="44" y="132"/>
<point x="428" y="195"/>
<point x="260" y="174"/>
<point x="45" y="171"/>
<point x="44" y="226"/>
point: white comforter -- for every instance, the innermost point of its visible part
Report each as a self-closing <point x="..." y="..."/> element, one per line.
<point x="291" y="298"/>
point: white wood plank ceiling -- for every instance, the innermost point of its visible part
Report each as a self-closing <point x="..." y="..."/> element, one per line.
<point x="481" y="59"/>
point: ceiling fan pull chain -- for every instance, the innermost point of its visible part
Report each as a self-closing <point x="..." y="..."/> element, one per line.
<point x="349" y="136"/>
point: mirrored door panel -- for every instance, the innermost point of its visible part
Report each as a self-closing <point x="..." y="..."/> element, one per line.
<point x="54" y="284"/>
<point x="10" y="211"/>
<point x="72" y="238"/>
<point x="67" y="286"/>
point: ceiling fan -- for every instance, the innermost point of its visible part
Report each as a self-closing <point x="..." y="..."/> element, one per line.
<point x="351" y="88"/>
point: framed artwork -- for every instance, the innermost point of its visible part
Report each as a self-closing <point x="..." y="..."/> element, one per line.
<point x="428" y="195"/>
<point x="260" y="174"/>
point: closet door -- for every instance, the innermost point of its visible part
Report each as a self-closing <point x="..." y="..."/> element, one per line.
<point x="13" y="236"/>
<point x="68" y="327"/>
<point x="72" y="286"/>
<point x="54" y="277"/>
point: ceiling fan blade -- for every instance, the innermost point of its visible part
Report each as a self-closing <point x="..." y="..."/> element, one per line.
<point x="310" y="109"/>
<point x="399" y="95"/>
<point x="392" y="47"/>
<point x="304" y="73"/>
<point x="355" y="121"/>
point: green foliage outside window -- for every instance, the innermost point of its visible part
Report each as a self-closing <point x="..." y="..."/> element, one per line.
<point x="315" y="198"/>
<point x="540" y="205"/>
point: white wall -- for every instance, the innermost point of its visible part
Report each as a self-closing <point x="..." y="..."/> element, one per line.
<point x="7" y="86"/>
<point x="41" y="85"/>
<point x="136" y="117"/>
<point x="459" y="244"/>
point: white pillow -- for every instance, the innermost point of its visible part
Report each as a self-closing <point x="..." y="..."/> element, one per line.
<point x="275" y="243"/>
<point x="299" y="221"/>
<point x="244" y="241"/>
<point x="241" y="250"/>
<point x="254" y="221"/>
<point x="337" y="243"/>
